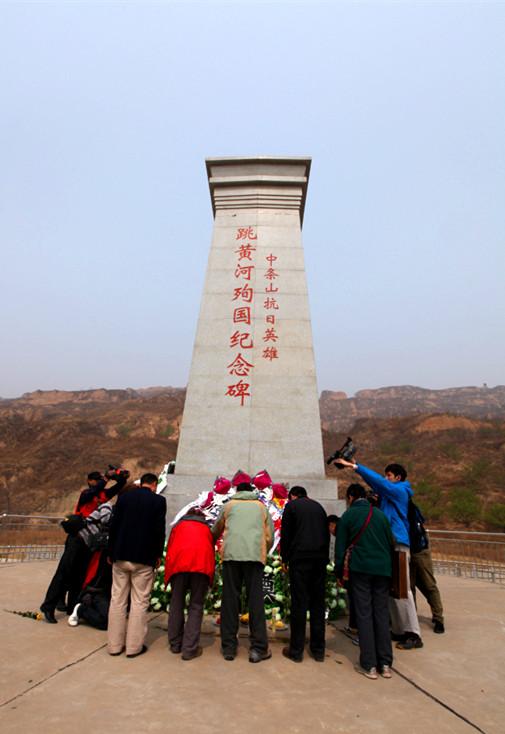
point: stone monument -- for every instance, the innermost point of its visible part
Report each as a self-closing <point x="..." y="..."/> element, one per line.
<point x="252" y="399"/>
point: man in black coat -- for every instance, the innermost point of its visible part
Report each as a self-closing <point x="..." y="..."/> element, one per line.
<point x="305" y="542"/>
<point x="136" y="540"/>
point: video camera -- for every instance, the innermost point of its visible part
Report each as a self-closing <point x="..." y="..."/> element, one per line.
<point x="346" y="452"/>
<point x="114" y="472"/>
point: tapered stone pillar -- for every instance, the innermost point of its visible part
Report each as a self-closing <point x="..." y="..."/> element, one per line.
<point x="252" y="399"/>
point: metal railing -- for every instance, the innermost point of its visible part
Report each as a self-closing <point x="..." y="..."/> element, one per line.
<point x="30" y="538"/>
<point x="454" y="552"/>
<point x="475" y="555"/>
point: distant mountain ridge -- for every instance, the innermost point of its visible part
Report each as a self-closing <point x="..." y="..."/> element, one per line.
<point x="453" y="441"/>
<point x="98" y="395"/>
<point x="339" y="413"/>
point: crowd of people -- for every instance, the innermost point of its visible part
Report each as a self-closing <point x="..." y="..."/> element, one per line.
<point x="116" y="539"/>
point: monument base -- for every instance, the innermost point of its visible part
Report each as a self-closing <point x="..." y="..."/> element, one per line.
<point x="184" y="488"/>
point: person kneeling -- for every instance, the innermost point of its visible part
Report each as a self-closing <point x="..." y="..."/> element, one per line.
<point x="189" y="566"/>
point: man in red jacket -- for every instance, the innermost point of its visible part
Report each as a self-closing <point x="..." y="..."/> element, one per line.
<point x="189" y="566"/>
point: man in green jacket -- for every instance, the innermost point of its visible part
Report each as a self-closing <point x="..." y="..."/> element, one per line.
<point x="366" y="531"/>
<point x="248" y="533"/>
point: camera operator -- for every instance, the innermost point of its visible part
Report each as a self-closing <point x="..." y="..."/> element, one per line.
<point x="394" y="492"/>
<point x="97" y="492"/>
<point x="73" y="563"/>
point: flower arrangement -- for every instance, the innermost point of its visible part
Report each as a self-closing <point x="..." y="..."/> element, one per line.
<point x="275" y="586"/>
<point x="275" y="580"/>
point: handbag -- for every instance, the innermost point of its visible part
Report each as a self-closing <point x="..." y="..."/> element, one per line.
<point x="98" y="541"/>
<point x="72" y="524"/>
<point x="350" y="547"/>
<point x="399" y="580"/>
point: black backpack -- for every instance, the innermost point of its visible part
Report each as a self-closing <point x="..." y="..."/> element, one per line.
<point x="72" y="524"/>
<point x="417" y="531"/>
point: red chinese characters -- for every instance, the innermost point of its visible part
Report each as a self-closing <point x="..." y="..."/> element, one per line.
<point x="271" y="304"/>
<point x="244" y="270"/>
<point x="240" y="366"/>
<point x="270" y="353"/>
<point x="245" y="233"/>
<point x="245" y="293"/>
<point x="245" y="252"/>
<point x="271" y="274"/>
<point x="270" y="335"/>
<point x="240" y="390"/>
<point x="242" y="315"/>
<point x="241" y="339"/>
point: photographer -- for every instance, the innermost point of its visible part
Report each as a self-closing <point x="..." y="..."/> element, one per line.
<point x="73" y="563"/>
<point x="97" y="492"/>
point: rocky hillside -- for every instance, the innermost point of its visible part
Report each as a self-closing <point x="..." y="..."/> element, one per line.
<point x="339" y="413"/>
<point x="456" y="464"/>
<point x="50" y="440"/>
<point x="451" y="441"/>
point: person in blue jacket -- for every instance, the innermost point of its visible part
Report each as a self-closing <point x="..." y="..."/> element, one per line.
<point x="394" y="492"/>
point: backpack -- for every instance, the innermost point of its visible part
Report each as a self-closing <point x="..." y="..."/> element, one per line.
<point x="72" y="524"/>
<point x="417" y="532"/>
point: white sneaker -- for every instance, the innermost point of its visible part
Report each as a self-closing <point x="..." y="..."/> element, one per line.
<point x="73" y="620"/>
<point x="371" y="673"/>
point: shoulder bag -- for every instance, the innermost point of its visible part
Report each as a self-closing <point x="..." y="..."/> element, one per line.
<point x="350" y="548"/>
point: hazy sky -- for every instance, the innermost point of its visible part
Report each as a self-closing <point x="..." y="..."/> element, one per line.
<point x="108" y="111"/>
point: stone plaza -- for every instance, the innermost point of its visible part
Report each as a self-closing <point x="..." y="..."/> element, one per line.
<point x="55" y="678"/>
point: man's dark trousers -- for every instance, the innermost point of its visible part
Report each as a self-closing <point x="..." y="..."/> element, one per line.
<point x="235" y="574"/>
<point x="95" y="610"/>
<point x="69" y="575"/>
<point x="307" y="580"/>
<point x="186" y="636"/>
<point x="371" y="602"/>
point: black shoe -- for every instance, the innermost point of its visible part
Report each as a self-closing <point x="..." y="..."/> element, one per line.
<point x="115" y="654"/>
<point x="255" y="656"/>
<point x="191" y="656"/>
<point x="229" y="655"/>
<point x="317" y="656"/>
<point x="438" y="628"/>
<point x="49" y="615"/>
<point x="398" y="638"/>
<point x="61" y="606"/>
<point x="175" y="650"/>
<point x="287" y="654"/>
<point x="412" y="642"/>
<point x="140" y="652"/>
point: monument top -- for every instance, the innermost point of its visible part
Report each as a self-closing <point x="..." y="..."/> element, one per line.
<point x="254" y="182"/>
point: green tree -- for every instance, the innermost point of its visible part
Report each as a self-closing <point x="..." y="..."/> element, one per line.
<point x="495" y="516"/>
<point x="465" y="506"/>
<point x="429" y="497"/>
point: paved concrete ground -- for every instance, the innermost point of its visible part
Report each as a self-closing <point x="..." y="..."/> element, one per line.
<point x="54" y="678"/>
